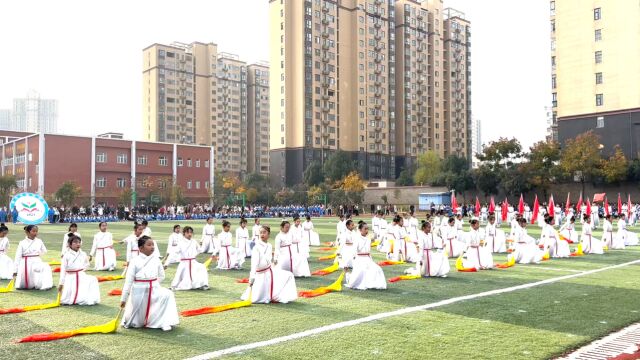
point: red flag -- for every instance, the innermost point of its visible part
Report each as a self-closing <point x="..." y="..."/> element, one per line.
<point x="477" y="207"/>
<point x="505" y="210"/>
<point x="579" y="206"/>
<point x="606" y="206"/>
<point x="492" y="206"/>
<point x="536" y="209"/>
<point x="629" y="207"/>
<point x="454" y="203"/>
<point x="598" y="197"/>
<point x="521" y="205"/>
<point x="552" y="207"/>
<point x="568" y="204"/>
<point x="588" y="213"/>
<point x="619" y="205"/>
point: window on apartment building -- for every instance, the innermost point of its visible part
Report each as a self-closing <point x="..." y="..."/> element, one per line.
<point x="162" y="161"/>
<point x="599" y="78"/>
<point x="101" y="182"/>
<point x="206" y="184"/>
<point x="121" y="159"/>
<point x="598" y="34"/>
<point x="206" y="163"/>
<point x="142" y="160"/>
<point x="598" y="56"/>
<point x="121" y="182"/>
<point x="198" y="185"/>
<point x="553" y="81"/>
<point x="600" y="122"/>
<point x="599" y="99"/>
<point x="597" y="14"/>
<point x="189" y="162"/>
<point x="189" y="185"/>
<point x="198" y="163"/>
<point x="101" y="157"/>
<point x="554" y="99"/>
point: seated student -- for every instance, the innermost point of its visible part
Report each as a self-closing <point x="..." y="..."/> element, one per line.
<point x="30" y="271"/>
<point x="453" y="244"/>
<point x="145" y="302"/>
<point x="285" y="257"/>
<point x="190" y="273"/>
<point x="550" y="240"/>
<point x="75" y="286"/>
<point x="346" y="248"/>
<point x="229" y="257"/>
<point x="173" y="246"/>
<point x="365" y="273"/>
<point x="434" y="261"/>
<point x="479" y="256"/>
<point x="242" y="239"/>
<point x="568" y="230"/>
<point x="607" y="232"/>
<point x="6" y="264"/>
<point x="589" y="244"/>
<point x="525" y="249"/>
<point x="73" y="229"/>
<point x="267" y="282"/>
<point x="495" y="238"/>
<point x="102" y="249"/>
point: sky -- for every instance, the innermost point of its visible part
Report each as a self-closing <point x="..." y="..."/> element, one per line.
<point x="88" y="55"/>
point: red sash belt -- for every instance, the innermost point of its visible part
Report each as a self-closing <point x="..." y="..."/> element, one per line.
<point x="271" y="286"/>
<point x="108" y="247"/>
<point x="77" y="272"/>
<point x="26" y="272"/>
<point x="150" y="282"/>
<point x="228" y="257"/>
<point x="429" y="261"/>
<point x="189" y="260"/>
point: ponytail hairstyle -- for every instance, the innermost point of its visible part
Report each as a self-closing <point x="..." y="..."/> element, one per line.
<point x="28" y="228"/>
<point x="74" y="225"/>
<point x="548" y="219"/>
<point x="362" y="225"/>
<point x="3" y="228"/>
<point x="282" y="224"/>
<point x="72" y="237"/>
<point x="397" y="219"/>
<point x="425" y="224"/>
<point x="266" y="228"/>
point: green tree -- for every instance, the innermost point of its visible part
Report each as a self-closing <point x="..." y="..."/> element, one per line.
<point x="615" y="169"/>
<point x="338" y="165"/>
<point x="177" y="195"/>
<point x="7" y="185"/>
<point x="542" y="167"/>
<point x="313" y="174"/>
<point x="256" y="181"/>
<point x="406" y="176"/>
<point x="68" y="192"/>
<point x="516" y="180"/>
<point x="580" y="157"/>
<point x="633" y="173"/>
<point x="486" y="180"/>
<point x="428" y="168"/>
<point x="125" y="197"/>
<point x="455" y="174"/>
<point x="501" y="154"/>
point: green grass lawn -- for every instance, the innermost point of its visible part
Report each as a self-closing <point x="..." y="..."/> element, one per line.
<point x="535" y="323"/>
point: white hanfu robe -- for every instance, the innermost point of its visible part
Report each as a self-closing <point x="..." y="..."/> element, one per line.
<point x="452" y="244"/>
<point x="102" y="251"/>
<point x="346" y="249"/>
<point x="630" y="238"/>
<point x="620" y="236"/>
<point x="569" y="232"/>
<point x="478" y="255"/>
<point x="173" y="248"/>
<point x="65" y="241"/>
<point x="405" y="245"/>
<point x="270" y="283"/>
<point x="607" y="234"/>
<point x="242" y="242"/>
<point x="78" y="287"/>
<point x="32" y="272"/>
<point x="6" y="264"/>
<point x="525" y="249"/>
<point x="288" y="259"/>
<point x="312" y="237"/>
<point x="255" y="232"/>
<point x="148" y="304"/>
<point x="298" y="241"/>
<point x="229" y="257"/>
<point x="208" y="239"/>
<point x="550" y="239"/>
<point x="589" y="244"/>
<point x="190" y="274"/>
<point x="434" y="261"/>
<point x="132" y="247"/>
<point x="495" y="238"/>
<point x="365" y="274"/>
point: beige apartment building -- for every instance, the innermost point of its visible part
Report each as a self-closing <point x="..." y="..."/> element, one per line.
<point x="258" y="117"/>
<point x="194" y="94"/>
<point x="595" y="75"/>
<point x="382" y="80"/>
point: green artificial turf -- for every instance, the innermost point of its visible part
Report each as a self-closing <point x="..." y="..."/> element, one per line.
<point x="534" y="323"/>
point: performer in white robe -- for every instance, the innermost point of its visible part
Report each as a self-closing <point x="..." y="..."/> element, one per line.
<point x="30" y="271"/>
<point x="229" y="257"/>
<point x="6" y="264"/>
<point x="526" y="250"/>
<point x="494" y="237"/>
<point x="173" y="246"/>
<point x="392" y="236"/>
<point x="405" y="247"/>
<point x="621" y="234"/>
<point x="478" y="255"/>
<point x="190" y="273"/>
<point x="102" y="249"/>
<point x="346" y="247"/>
<point x="365" y="273"/>
<point x="145" y="302"/>
<point x="433" y="262"/>
<point x="268" y="283"/>
<point x="75" y="286"/>
<point x="568" y="230"/>
<point x="607" y="232"/>
<point x="132" y="242"/>
<point x="208" y="239"/>
<point x="243" y="243"/>
<point x="589" y="244"/>
<point x="285" y="257"/>
<point x="299" y="242"/>
<point x="73" y="229"/>
<point x="630" y="238"/>
<point x="340" y="226"/>
<point x="550" y="240"/>
<point x="146" y="230"/>
<point x="312" y="237"/>
<point x="255" y="231"/>
<point x="452" y="242"/>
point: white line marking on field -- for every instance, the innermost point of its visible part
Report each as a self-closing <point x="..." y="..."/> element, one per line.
<point x="404" y="311"/>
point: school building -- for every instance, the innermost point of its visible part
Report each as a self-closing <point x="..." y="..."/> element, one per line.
<point x="105" y="168"/>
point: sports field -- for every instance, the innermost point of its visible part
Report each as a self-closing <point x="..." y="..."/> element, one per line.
<point x="575" y="306"/>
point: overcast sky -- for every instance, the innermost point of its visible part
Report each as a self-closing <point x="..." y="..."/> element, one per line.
<point x="88" y="55"/>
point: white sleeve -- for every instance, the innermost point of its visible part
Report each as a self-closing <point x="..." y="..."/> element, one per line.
<point x="128" y="282"/>
<point x="276" y="250"/>
<point x="255" y="258"/>
<point x="18" y="257"/>
<point x="94" y="246"/>
<point x="63" y="270"/>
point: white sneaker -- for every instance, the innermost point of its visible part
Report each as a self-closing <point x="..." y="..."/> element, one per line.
<point x="166" y="328"/>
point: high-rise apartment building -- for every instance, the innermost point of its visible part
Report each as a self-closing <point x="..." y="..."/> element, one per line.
<point x="476" y="141"/>
<point x="258" y="118"/>
<point x="381" y="80"/>
<point x="595" y="77"/>
<point x="193" y="94"/>
<point x="31" y="114"/>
